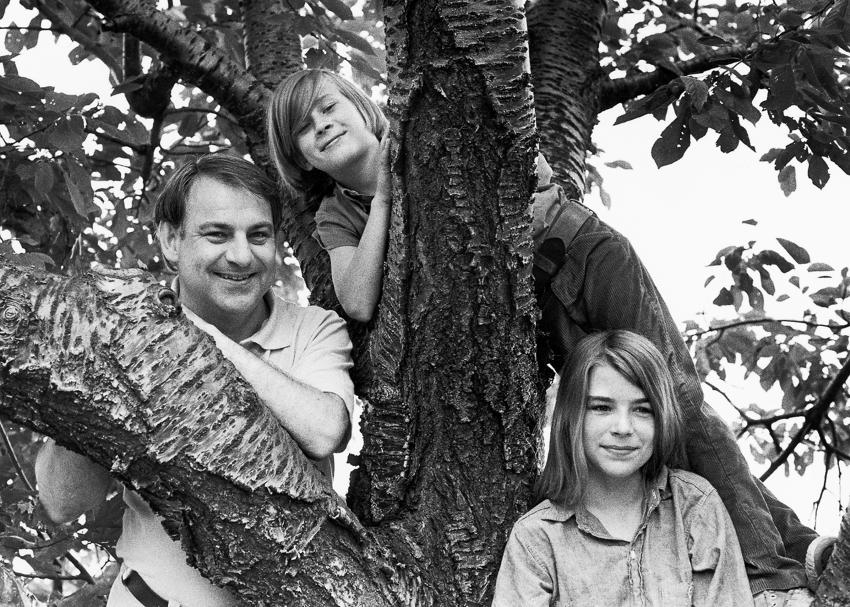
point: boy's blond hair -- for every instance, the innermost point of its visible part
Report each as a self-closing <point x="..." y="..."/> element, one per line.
<point x="289" y="105"/>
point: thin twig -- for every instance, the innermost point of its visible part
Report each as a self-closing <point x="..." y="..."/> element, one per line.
<point x="14" y="457"/>
<point x="760" y="321"/>
<point x="813" y="417"/>
<point x="83" y="571"/>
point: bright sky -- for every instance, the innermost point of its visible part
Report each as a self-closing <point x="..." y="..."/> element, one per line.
<point x="677" y="218"/>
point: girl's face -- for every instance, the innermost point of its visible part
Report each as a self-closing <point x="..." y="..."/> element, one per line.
<point x="334" y="137"/>
<point x="619" y="426"/>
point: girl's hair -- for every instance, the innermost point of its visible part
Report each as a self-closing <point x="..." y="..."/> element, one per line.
<point x="290" y="104"/>
<point x="564" y="476"/>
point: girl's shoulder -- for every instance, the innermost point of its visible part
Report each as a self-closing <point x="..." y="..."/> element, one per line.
<point x="691" y="492"/>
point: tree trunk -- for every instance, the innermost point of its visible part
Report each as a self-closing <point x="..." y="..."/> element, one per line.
<point x="101" y="364"/>
<point x="834" y="588"/>
<point x="450" y="431"/>
<point x="564" y="39"/>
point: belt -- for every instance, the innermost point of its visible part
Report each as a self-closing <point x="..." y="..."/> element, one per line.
<point x="142" y="592"/>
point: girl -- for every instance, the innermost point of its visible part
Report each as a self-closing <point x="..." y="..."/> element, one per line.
<point x="617" y="526"/>
<point x="328" y="141"/>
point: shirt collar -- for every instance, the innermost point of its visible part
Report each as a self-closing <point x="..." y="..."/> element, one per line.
<point x="658" y="490"/>
<point x="353" y="196"/>
<point x="276" y="331"/>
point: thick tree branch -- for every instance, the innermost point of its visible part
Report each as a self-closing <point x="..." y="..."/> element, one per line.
<point x="813" y="417"/>
<point x="620" y="90"/>
<point x="196" y="60"/>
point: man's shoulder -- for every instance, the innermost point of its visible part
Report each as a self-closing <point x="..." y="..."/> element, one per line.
<point x="292" y="313"/>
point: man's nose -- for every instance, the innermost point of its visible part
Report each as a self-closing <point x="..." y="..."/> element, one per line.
<point x="239" y="251"/>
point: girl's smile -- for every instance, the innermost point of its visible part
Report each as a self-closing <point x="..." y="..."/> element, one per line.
<point x="618" y="427"/>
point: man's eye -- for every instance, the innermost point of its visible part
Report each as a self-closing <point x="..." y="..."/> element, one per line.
<point x="215" y="236"/>
<point x="259" y="238"/>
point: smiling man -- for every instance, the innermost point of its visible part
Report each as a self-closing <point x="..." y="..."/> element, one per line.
<point x="216" y="222"/>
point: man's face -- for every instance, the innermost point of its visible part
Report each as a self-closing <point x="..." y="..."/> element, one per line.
<point x="225" y="255"/>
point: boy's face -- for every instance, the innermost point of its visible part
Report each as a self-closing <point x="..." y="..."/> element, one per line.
<point x="225" y="255"/>
<point x="334" y="137"/>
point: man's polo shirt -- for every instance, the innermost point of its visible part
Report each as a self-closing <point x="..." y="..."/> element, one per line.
<point x="309" y="344"/>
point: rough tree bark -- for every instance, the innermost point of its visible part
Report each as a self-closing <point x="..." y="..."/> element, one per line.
<point x="564" y="44"/>
<point x="108" y="367"/>
<point x="449" y="434"/>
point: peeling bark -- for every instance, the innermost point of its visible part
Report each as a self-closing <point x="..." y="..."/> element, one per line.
<point x="564" y="39"/>
<point x="100" y="364"/>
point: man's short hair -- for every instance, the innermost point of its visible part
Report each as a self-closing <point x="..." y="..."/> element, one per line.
<point x="230" y="170"/>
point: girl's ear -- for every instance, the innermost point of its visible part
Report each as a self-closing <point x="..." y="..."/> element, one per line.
<point x="169" y="242"/>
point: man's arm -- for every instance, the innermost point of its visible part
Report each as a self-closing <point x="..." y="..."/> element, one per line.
<point x="318" y="421"/>
<point x="68" y="483"/>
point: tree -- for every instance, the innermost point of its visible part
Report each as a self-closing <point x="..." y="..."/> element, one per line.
<point x="450" y="432"/>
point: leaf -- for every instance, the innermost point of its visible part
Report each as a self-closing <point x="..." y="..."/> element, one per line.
<point x="825" y="297"/>
<point x="68" y="134"/>
<point x="353" y="40"/>
<point x="43" y="178"/>
<point x="741" y="105"/>
<point x="712" y="40"/>
<point x="78" y="54"/>
<point x="672" y="143"/>
<point x="661" y="98"/>
<point x="782" y="89"/>
<point x="697" y="89"/>
<point x="619" y="164"/>
<point x="797" y="253"/>
<point x="770" y="257"/>
<point x="339" y="8"/>
<point x="788" y="180"/>
<point x="132" y="84"/>
<point x="14" y="39"/>
<point x="4" y="4"/>
<point x="790" y="18"/>
<point x="821" y="267"/>
<point x="750" y="222"/>
<point x="78" y="182"/>
<point x="818" y="171"/>
<point x="31" y="35"/>
<point x="724" y="298"/>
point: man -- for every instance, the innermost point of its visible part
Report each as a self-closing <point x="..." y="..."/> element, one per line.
<point x="588" y="278"/>
<point x="216" y="223"/>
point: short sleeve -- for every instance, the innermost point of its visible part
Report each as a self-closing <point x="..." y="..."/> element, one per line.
<point x="324" y="361"/>
<point x="335" y="228"/>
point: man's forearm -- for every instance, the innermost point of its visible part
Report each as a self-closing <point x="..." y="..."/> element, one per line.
<point x="318" y="421"/>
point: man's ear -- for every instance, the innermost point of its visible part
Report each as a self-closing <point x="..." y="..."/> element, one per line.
<point x="169" y="242"/>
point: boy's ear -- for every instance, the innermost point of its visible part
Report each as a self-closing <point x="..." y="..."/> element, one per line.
<point x="169" y="242"/>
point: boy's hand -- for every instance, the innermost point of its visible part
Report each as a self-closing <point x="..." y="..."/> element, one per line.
<point x="384" y="187"/>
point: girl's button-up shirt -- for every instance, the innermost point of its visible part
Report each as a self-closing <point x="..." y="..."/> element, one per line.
<point x="684" y="553"/>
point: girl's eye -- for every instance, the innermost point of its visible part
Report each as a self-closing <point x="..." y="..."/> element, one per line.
<point x="599" y="407"/>
<point x="329" y="107"/>
<point x="644" y="410"/>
